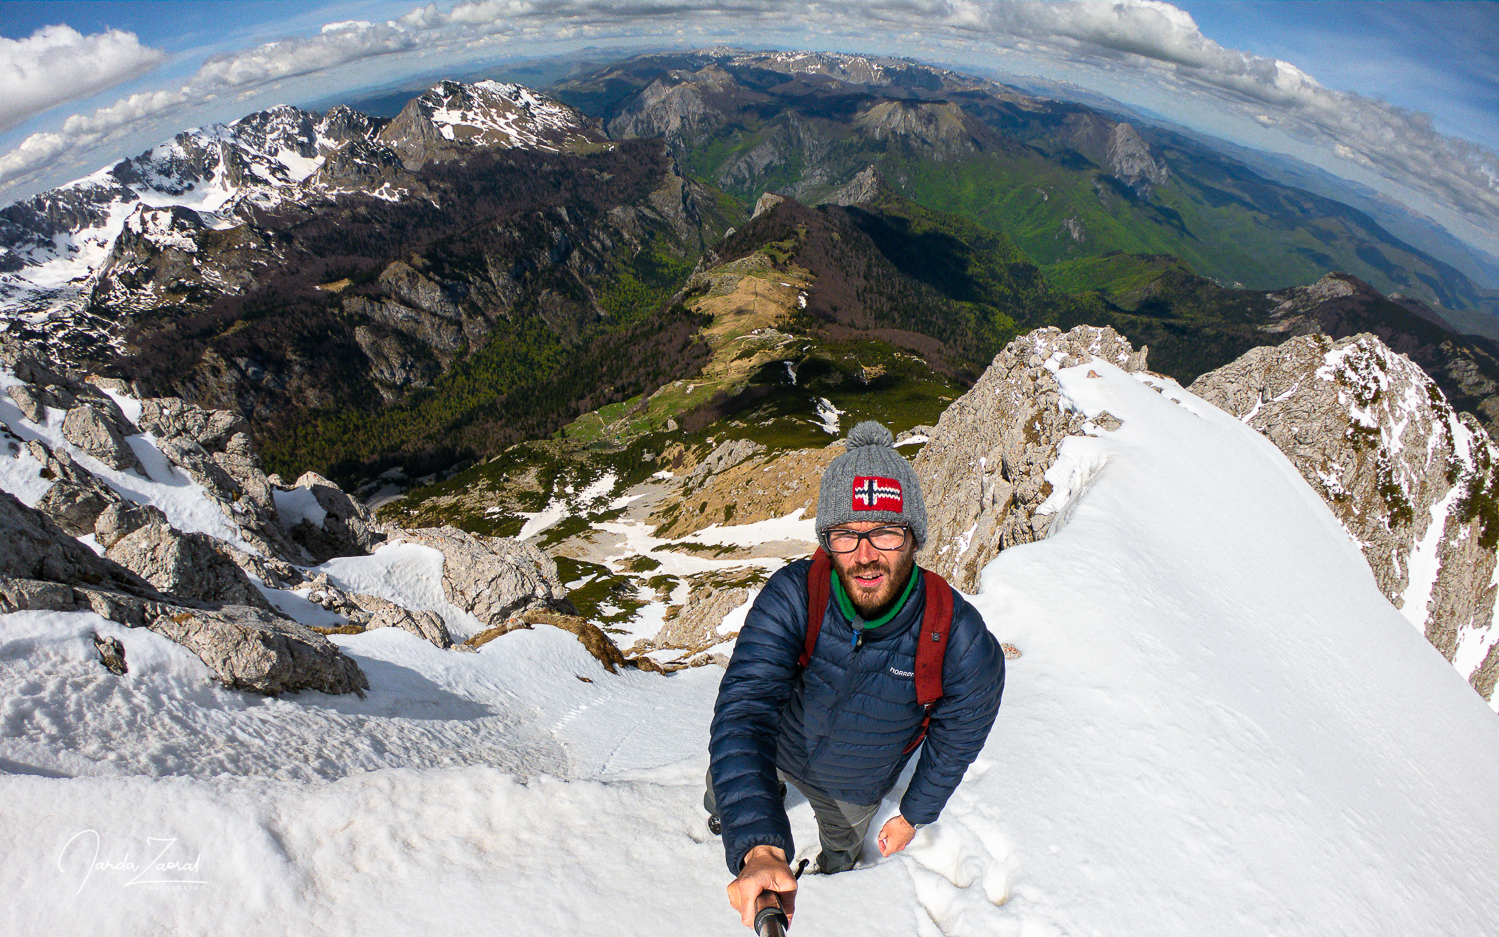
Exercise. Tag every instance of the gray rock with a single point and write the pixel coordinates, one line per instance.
(724, 457)
(37, 548)
(349, 529)
(18, 595)
(77, 497)
(248, 648)
(1371, 433)
(493, 577)
(166, 417)
(190, 565)
(111, 654)
(427, 625)
(123, 517)
(983, 471)
(253, 649)
(30, 400)
(94, 430)
(230, 476)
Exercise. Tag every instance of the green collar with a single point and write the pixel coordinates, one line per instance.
(846, 605)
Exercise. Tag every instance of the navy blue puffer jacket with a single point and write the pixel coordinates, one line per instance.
(843, 724)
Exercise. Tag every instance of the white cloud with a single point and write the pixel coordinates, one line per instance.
(57, 64)
(337, 44)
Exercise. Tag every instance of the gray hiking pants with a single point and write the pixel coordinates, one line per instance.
(840, 825)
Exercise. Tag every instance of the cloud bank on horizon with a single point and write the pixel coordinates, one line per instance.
(1115, 43)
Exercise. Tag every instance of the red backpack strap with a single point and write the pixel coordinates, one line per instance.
(819, 586)
(931, 648)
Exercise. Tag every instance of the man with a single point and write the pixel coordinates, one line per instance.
(841, 729)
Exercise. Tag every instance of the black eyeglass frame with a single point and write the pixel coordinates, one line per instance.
(827, 538)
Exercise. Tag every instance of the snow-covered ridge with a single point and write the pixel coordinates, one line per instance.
(493, 113)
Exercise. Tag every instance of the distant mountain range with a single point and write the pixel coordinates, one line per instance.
(492, 261)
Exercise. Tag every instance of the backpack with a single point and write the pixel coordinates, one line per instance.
(936, 622)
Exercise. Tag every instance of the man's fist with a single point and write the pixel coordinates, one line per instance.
(764, 879)
(895, 835)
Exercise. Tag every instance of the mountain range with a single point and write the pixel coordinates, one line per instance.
(492, 262)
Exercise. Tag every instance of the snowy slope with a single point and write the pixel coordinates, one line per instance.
(1218, 727)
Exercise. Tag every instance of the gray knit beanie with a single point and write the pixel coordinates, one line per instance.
(871, 482)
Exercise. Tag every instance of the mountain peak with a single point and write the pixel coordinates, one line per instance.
(453, 115)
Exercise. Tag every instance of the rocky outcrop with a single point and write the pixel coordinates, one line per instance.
(248, 648)
(1412, 481)
(213, 448)
(748, 485)
(124, 517)
(190, 565)
(493, 578)
(370, 612)
(76, 497)
(862, 189)
(347, 528)
(101, 433)
(983, 471)
(252, 649)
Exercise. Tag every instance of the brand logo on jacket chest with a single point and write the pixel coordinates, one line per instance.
(902, 673)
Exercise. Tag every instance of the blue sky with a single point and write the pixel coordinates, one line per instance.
(1400, 96)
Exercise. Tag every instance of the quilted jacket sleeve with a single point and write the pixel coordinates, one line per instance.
(746, 719)
(973, 678)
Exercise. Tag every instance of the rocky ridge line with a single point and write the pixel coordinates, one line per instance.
(1411, 479)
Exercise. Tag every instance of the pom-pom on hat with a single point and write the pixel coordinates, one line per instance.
(871, 482)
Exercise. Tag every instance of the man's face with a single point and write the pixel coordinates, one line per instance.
(874, 578)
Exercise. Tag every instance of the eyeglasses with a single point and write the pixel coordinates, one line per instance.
(841, 540)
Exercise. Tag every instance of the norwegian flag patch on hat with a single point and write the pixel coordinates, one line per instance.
(876, 493)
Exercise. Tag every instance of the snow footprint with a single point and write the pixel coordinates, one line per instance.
(967, 856)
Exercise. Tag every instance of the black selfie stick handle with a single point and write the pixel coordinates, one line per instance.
(771, 922)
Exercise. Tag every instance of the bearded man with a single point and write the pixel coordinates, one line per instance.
(830, 702)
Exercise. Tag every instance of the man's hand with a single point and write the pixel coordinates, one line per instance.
(764, 878)
(895, 835)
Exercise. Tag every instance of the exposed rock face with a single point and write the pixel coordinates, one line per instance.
(213, 448)
(190, 565)
(371, 612)
(76, 497)
(494, 577)
(1411, 480)
(982, 473)
(123, 517)
(102, 435)
(749, 485)
(865, 187)
(252, 649)
(348, 527)
(1130, 160)
(43, 567)
(694, 627)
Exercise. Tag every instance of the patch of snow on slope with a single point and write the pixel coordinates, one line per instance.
(298, 505)
(1424, 562)
(184, 501)
(790, 527)
(408, 574)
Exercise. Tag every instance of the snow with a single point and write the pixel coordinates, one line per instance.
(827, 416)
(790, 527)
(408, 574)
(1424, 562)
(1218, 727)
(184, 501)
(298, 505)
(569, 503)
